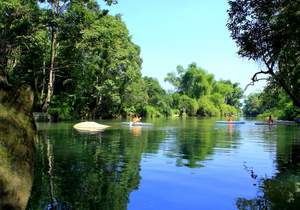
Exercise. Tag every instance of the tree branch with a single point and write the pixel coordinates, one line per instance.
(252, 83)
(255, 79)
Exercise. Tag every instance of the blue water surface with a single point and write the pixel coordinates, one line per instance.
(173, 165)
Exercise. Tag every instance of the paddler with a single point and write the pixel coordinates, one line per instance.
(230, 117)
(136, 119)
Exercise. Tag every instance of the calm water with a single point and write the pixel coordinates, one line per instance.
(176, 164)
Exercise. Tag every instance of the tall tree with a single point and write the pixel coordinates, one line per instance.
(110, 69)
(57, 15)
(53, 29)
(193, 81)
(197, 91)
(267, 31)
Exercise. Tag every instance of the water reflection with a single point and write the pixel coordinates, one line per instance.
(281, 191)
(136, 130)
(198, 140)
(89, 171)
(153, 166)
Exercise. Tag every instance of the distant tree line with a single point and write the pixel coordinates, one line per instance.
(198, 93)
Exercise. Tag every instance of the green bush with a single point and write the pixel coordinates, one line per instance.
(175, 112)
(151, 112)
(289, 112)
(217, 99)
(226, 110)
(188, 105)
(207, 107)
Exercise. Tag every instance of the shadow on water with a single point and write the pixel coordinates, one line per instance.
(281, 191)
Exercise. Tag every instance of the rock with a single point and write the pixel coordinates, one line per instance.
(17, 133)
(89, 126)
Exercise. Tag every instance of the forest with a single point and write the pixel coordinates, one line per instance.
(80, 62)
(73, 60)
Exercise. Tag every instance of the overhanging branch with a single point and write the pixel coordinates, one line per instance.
(255, 79)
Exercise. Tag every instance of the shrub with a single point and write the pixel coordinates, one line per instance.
(207, 108)
(188, 105)
(227, 109)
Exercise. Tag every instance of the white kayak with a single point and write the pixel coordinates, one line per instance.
(136, 124)
(230, 122)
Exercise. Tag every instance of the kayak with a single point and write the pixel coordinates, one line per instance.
(136, 124)
(277, 122)
(230, 122)
(264, 123)
(285, 122)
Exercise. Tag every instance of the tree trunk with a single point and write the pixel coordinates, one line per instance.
(43, 82)
(3, 65)
(51, 72)
(52, 60)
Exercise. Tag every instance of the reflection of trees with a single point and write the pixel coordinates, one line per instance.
(89, 171)
(197, 141)
(282, 191)
(279, 192)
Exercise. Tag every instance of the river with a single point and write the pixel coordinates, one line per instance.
(173, 165)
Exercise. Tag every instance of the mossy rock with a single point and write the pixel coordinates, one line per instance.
(17, 132)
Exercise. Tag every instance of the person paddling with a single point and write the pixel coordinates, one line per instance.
(136, 119)
(230, 117)
(270, 120)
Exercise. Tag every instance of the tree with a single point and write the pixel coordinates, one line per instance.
(253, 105)
(231, 91)
(267, 31)
(271, 101)
(188, 105)
(157, 98)
(53, 25)
(110, 69)
(174, 78)
(58, 16)
(17, 23)
(193, 81)
(195, 84)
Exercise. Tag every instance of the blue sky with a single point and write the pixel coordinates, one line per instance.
(177, 32)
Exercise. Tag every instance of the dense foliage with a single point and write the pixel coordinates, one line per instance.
(267, 31)
(271, 101)
(198, 93)
(80, 62)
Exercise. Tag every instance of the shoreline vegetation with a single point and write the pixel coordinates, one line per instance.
(73, 60)
(81, 63)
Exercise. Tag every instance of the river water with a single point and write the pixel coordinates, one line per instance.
(177, 164)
